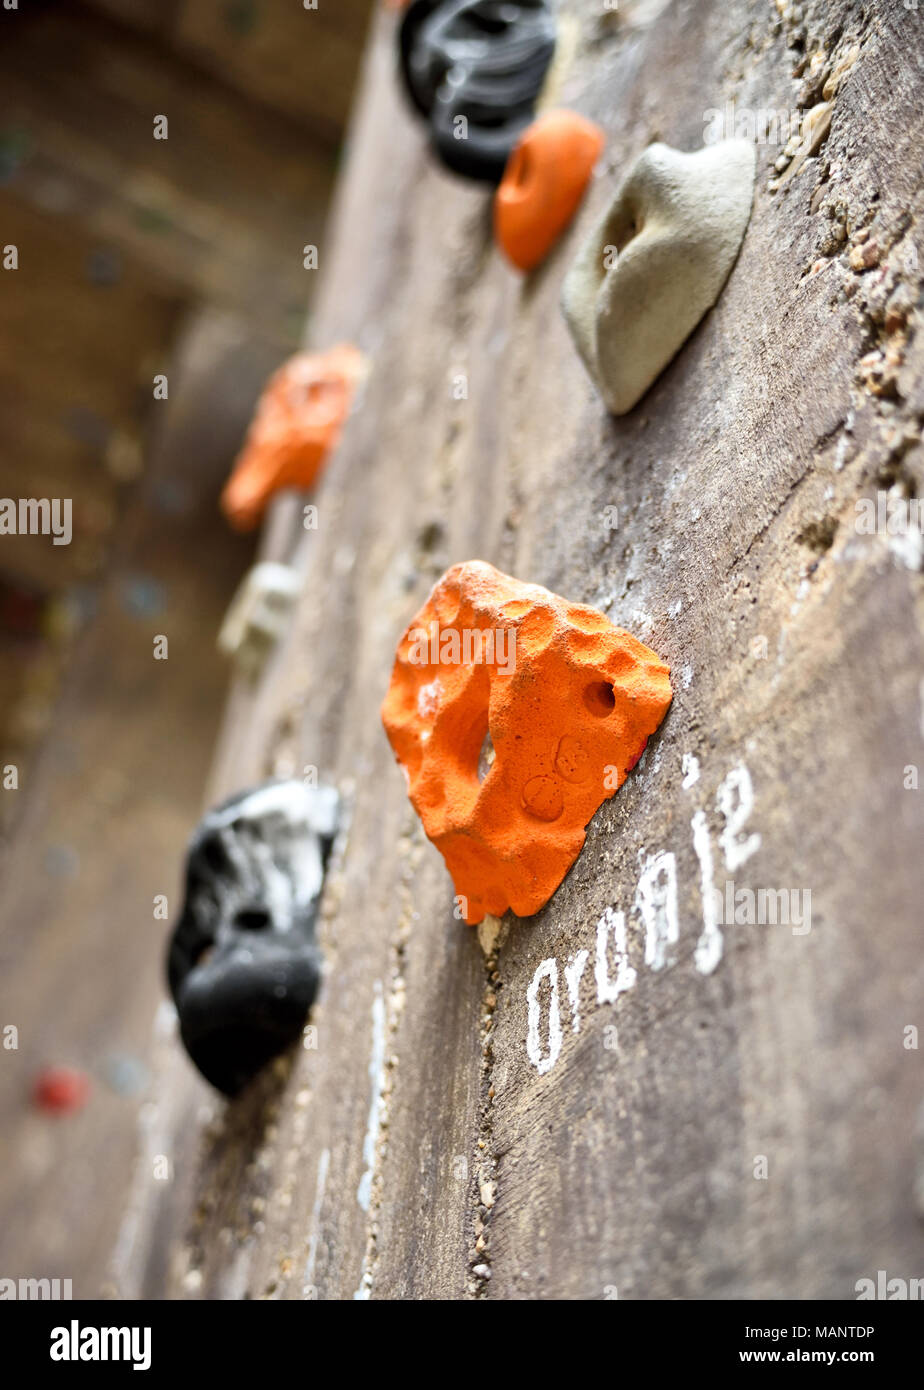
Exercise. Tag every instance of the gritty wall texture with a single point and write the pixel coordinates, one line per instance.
(741, 1121)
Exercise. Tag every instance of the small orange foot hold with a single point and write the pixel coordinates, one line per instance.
(515, 714)
(297, 424)
(543, 185)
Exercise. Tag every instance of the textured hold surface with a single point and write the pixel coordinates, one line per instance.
(297, 423)
(481, 62)
(543, 185)
(655, 262)
(258, 614)
(568, 702)
(243, 965)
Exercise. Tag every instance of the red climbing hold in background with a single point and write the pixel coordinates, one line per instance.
(61, 1090)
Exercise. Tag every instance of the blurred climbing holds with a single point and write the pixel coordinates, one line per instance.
(61, 1090)
(125, 1074)
(243, 964)
(259, 614)
(543, 185)
(514, 715)
(655, 262)
(297, 424)
(474, 69)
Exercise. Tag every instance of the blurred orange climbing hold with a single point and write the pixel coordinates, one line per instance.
(297, 424)
(543, 185)
(514, 715)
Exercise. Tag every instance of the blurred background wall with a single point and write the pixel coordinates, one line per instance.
(137, 257)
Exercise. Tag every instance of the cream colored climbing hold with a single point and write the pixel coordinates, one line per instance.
(655, 262)
(259, 614)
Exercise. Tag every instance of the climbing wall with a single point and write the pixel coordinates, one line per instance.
(629, 1094)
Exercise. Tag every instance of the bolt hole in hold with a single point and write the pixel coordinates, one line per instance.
(252, 919)
(485, 757)
(478, 22)
(599, 699)
(519, 174)
(627, 230)
(494, 120)
(215, 856)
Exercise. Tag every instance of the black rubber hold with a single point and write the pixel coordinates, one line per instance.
(243, 964)
(481, 60)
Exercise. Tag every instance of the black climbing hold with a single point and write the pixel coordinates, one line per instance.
(474, 69)
(243, 964)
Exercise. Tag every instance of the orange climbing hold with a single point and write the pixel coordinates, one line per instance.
(543, 185)
(297, 424)
(515, 714)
